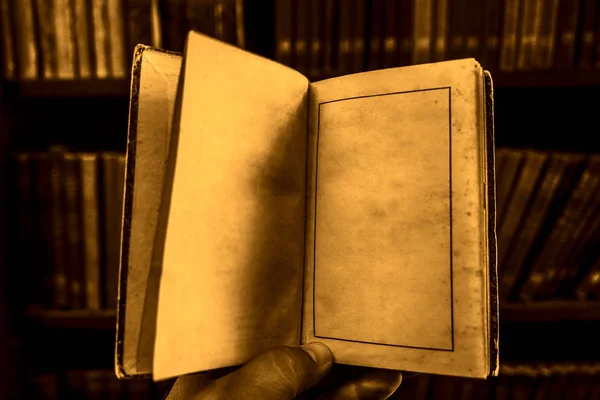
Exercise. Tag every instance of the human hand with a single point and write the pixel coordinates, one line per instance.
(286, 372)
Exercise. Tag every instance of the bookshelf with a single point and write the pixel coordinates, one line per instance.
(540, 106)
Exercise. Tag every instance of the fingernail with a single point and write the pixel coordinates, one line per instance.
(320, 353)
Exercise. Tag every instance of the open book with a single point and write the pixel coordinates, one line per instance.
(263, 210)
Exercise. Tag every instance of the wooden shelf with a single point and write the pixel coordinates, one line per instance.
(120, 87)
(551, 311)
(72, 319)
(71, 88)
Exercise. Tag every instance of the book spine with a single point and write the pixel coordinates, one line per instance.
(156, 29)
(26, 49)
(45, 19)
(590, 284)
(101, 44)
(176, 24)
(26, 229)
(544, 195)
(229, 20)
(543, 270)
(283, 33)
(473, 16)
(404, 32)
(8, 50)
(530, 24)
(580, 258)
(508, 49)
(422, 32)
(534, 163)
(590, 20)
(82, 38)
(329, 42)
(43, 202)
(543, 37)
(113, 175)
(491, 34)
(116, 27)
(239, 24)
(218, 16)
(441, 30)
(390, 40)
(573, 236)
(73, 232)
(507, 178)
(59, 272)
(457, 29)
(359, 36)
(565, 38)
(376, 37)
(344, 55)
(316, 37)
(139, 24)
(91, 232)
(65, 42)
(301, 36)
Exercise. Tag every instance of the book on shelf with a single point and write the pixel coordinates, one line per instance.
(85, 39)
(69, 217)
(223, 212)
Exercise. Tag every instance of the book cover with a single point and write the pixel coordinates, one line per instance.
(249, 229)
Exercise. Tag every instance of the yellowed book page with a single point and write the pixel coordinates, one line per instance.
(234, 247)
(395, 269)
(159, 75)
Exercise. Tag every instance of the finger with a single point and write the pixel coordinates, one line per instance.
(279, 374)
(375, 385)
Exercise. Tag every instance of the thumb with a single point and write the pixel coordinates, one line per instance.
(279, 374)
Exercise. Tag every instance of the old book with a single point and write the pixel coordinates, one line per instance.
(568, 12)
(516, 210)
(316, 37)
(7, 34)
(83, 33)
(544, 52)
(58, 231)
(491, 32)
(45, 17)
(422, 32)
(72, 225)
(101, 43)
(440, 30)
(312, 212)
(508, 48)
(390, 56)
(405, 12)
(112, 182)
(544, 268)
(116, 33)
(535, 216)
(529, 38)
(301, 33)
(375, 34)
(283, 31)
(90, 215)
(588, 30)
(359, 35)
(65, 41)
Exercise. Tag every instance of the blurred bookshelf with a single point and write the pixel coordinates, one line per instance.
(64, 99)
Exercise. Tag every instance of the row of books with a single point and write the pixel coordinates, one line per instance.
(81, 39)
(338, 37)
(536, 381)
(68, 208)
(548, 207)
(92, 384)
